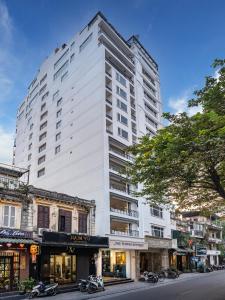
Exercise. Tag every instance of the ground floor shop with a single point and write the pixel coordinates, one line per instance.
(66, 258)
(14, 257)
(213, 257)
(182, 259)
(157, 256)
(121, 259)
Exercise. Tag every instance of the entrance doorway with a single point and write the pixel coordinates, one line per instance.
(63, 268)
(9, 271)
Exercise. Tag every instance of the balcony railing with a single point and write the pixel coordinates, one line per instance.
(109, 130)
(109, 101)
(131, 213)
(11, 184)
(125, 233)
(108, 116)
(197, 233)
(122, 189)
(108, 87)
(122, 154)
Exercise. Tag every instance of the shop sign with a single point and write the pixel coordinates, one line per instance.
(14, 233)
(201, 250)
(34, 249)
(127, 245)
(74, 239)
(159, 243)
(213, 252)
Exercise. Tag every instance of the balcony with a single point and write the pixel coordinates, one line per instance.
(214, 240)
(120, 153)
(120, 170)
(124, 190)
(134, 233)
(11, 184)
(130, 213)
(197, 233)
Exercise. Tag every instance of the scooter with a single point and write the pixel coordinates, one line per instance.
(83, 285)
(43, 290)
(95, 284)
(149, 277)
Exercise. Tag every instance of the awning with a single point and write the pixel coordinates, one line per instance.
(17, 241)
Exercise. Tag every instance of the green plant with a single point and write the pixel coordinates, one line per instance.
(26, 285)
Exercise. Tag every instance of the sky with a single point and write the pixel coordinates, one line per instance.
(183, 36)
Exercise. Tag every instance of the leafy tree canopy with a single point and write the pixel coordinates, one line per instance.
(185, 162)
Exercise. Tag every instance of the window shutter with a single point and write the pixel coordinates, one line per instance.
(82, 222)
(68, 220)
(43, 216)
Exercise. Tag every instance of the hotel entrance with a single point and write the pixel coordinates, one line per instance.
(114, 264)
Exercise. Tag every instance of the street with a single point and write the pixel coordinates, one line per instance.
(208, 286)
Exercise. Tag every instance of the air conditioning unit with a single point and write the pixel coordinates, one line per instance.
(41, 230)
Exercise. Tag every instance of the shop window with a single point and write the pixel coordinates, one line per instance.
(9, 270)
(9, 216)
(63, 268)
(43, 216)
(65, 220)
(82, 223)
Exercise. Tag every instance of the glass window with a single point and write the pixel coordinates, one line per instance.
(59, 112)
(121, 92)
(64, 76)
(41, 172)
(121, 105)
(121, 79)
(44, 115)
(42, 136)
(43, 125)
(58, 136)
(86, 42)
(156, 211)
(55, 95)
(42, 147)
(9, 216)
(41, 159)
(122, 119)
(61, 70)
(123, 133)
(63, 268)
(63, 56)
(157, 231)
(57, 149)
(59, 102)
(58, 124)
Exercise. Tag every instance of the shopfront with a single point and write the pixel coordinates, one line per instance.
(14, 257)
(157, 256)
(66, 258)
(120, 261)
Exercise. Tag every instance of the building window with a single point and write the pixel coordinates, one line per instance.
(41, 172)
(86, 42)
(42, 136)
(72, 57)
(156, 211)
(43, 125)
(65, 220)
(61, 70)
(121, 105)
(123, 133)
(121, 79)
(44, 96)
(9, 216)
(41, 159)
(30, 146)
(43, 89)
(43, 217)
(58, 124)
(121, 92)
(44, 115)
(64, 76)
(43, 79)
(30, 136)
(57, 149)
(72, 45)
(29, 156)
(122, 119)
(61, 58)
(58, 136)
(59, 112)
(31, 126)
(55, 95)
(59, 102)
(157, 231)
(42, 147)
(150, 121)
(43, 106)
(82, 222)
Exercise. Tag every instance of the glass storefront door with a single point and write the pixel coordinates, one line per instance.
(63, 268)
(114, 264)
(9, 271)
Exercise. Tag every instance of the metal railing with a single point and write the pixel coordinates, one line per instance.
(121, 153)
(125, 232)
(131, 212)
(122, 189)
(11, 184)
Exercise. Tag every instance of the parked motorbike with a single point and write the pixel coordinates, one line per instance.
(172, 273)
(149, 277)
(83, 285)
(43, 290)
(95, 284)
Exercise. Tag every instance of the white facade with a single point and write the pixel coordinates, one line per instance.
(91, 99)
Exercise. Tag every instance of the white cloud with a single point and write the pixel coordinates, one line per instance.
(6, 145)
(5, 23)
(180, 104)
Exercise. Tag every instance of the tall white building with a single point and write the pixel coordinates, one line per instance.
(91, 99)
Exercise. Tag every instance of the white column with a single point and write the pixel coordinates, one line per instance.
(99, 263)
(128, 264)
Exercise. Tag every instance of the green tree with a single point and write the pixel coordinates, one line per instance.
(185, 162)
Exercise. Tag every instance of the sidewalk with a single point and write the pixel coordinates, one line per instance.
(123, 288)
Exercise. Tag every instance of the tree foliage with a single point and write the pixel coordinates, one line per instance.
(185, 162)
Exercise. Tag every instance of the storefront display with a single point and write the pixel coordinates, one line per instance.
(66, 258)
(114, 264)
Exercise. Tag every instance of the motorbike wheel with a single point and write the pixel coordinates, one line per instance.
(32, 295)
(91, 289)
(141, 279)
(82, 289)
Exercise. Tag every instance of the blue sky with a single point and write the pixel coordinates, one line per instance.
(184, 36)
